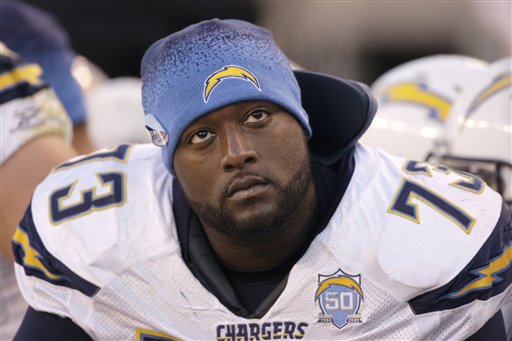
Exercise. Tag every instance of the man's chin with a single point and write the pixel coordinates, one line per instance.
(254, 226)
(263, 216)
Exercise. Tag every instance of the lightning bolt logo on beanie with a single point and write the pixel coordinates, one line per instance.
(229, 71)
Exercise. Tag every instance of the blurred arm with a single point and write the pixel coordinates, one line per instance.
(19, 176)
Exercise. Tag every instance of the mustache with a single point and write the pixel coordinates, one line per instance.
(242, 174)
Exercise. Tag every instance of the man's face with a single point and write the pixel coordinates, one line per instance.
(244, 168)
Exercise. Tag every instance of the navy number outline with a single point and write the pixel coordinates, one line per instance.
(403, 206)
(89, 200)
(471, 183)
(408, 190)
(119, 154)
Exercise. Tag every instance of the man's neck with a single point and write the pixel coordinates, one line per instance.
(263, 255)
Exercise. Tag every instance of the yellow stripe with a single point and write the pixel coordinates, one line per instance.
(31, 258)
(28, 73)
(139, 333)
(495, 87)
(411, 92)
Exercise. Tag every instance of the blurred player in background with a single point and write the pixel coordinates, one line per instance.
(41, 118)
(38, 37)
(35, 136)
(415, 100)
(78, 84)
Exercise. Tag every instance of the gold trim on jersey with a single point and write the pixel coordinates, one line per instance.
(488, 274)
(416, 219)
(31, 256)
(96, 156)
(30, 73)
(141, 333)
(111, 191)
(423, 168)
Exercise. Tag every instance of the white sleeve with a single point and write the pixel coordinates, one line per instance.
(28, 106)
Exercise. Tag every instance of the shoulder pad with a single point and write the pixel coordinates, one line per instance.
(429, 221)
(114, 206)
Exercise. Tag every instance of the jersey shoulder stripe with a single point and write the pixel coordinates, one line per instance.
(28, 105)
(114, 206)
(19, 79)
(488, 274)
(30, 252)
(417, 215)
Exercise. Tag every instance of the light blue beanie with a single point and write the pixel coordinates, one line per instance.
(207, 66)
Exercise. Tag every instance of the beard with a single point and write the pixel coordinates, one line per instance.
(259, 226)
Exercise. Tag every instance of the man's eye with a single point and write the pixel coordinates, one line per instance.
(256, 116)
(200, 136)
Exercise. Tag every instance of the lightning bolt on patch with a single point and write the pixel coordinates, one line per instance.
(343, 281)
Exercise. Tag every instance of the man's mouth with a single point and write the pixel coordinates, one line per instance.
(246, 186)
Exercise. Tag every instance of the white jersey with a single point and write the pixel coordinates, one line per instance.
(100, 246)
(29, 107)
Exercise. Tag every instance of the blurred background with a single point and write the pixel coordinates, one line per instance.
(353, 39)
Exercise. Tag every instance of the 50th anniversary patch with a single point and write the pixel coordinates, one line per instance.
(340, 298)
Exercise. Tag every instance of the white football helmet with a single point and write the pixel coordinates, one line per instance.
(414, 101)
(478, 136)
(115, 114)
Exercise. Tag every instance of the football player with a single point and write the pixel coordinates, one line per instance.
(258, 216)
(36, 132)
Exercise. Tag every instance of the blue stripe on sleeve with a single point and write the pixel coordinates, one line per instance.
(30, 252)
(488, 274)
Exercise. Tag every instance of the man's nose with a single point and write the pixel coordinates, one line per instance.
(238, 151)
